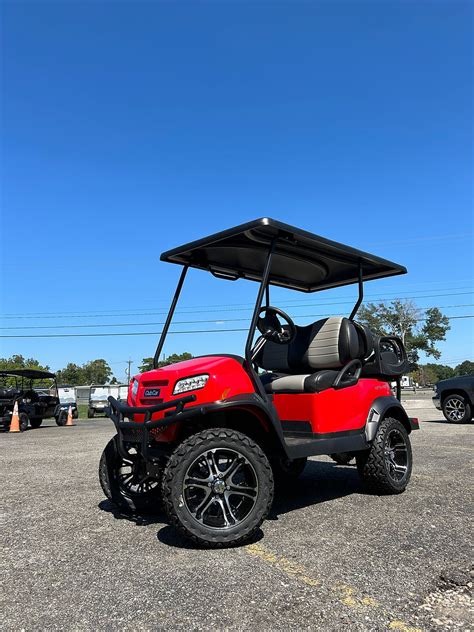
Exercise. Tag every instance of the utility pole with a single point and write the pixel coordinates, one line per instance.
(129, 370)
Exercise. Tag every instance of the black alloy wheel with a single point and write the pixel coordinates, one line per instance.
(456, 409)
(126, 480)
(386, 467)
(218, 487)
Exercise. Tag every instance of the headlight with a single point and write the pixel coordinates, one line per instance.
(135, 388)
(190, 384)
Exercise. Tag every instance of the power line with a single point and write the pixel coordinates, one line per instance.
(187, 322)
(157, 333)
(241, 309)
(192, 307)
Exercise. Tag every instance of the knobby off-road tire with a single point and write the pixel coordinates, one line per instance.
(218, 488)
(125, 482)
(386, 467)
(285, 472)
(456, 409)
(36, 423)
(342, 458)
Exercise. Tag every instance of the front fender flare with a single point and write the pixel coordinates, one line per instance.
(250, 402)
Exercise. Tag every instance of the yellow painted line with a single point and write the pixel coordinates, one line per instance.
(348, 596)
(399, 625)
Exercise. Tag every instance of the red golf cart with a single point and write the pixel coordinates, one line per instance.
(209, 436)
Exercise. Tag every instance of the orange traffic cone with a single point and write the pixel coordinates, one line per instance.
(15, 421)
(69, 417)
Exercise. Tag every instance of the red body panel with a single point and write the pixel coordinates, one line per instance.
(328, 411)
(227, 378)
(332, 410)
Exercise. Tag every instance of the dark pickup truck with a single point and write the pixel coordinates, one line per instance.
(455, 397)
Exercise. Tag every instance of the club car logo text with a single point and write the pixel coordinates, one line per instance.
(151, 392)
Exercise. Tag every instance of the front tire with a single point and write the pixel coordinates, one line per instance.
(36, 423)
(90, 413)
(386, 467)
(456, 409)
(218, 488)
(125, 481)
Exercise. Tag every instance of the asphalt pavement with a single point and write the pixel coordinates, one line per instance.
(330, 557)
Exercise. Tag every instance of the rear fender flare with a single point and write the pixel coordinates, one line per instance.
(382, 407)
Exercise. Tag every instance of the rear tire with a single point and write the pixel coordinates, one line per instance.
(456, 409)
(386, 467)
(218, 488)
(61, 418)
(24, 421)
(125, 481)
(342, 458)
(36, 423)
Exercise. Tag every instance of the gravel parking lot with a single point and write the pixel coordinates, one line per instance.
(331, 557)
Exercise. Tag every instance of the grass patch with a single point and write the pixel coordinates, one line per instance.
(82, 410)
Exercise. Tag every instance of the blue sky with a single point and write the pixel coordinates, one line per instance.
(129, 128)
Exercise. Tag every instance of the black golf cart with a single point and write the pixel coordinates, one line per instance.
(36, 393)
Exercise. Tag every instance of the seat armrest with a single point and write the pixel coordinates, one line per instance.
(345, 378)
(320, 381)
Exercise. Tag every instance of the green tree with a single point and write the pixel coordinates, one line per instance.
(431, 373)
(147, 363)
(419, 330)
(19, 362)
(72, 374)
(465, 368)
(93, 372)
(441, 371)
(97, 372)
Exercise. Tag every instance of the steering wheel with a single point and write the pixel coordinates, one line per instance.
(271, 328)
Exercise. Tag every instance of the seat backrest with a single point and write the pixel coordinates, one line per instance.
(326, 344)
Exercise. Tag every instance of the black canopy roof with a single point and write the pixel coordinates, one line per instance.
(302, 261)
(30, 374)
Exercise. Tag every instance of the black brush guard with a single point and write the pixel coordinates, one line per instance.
(138, 432)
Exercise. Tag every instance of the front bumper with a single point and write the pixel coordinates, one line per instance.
(436, 399)
(140, 433)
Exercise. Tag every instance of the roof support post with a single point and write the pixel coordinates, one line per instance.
(248, 346)
(169, 317)
(361, 293)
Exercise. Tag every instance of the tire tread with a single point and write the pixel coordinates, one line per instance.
(176, 459)
(371, 465)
